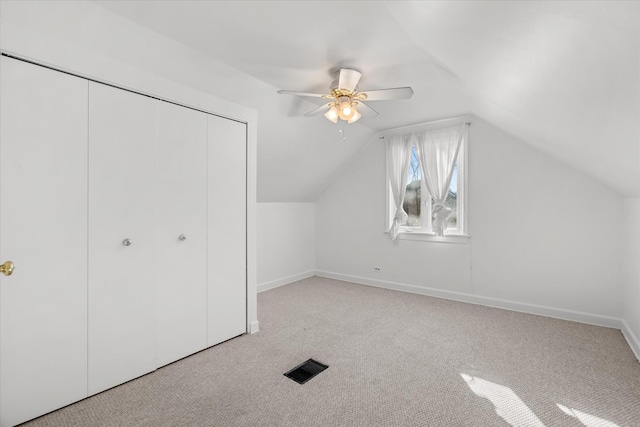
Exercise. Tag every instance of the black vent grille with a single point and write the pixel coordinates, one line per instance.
(305, 371)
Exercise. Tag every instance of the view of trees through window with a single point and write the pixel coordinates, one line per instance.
(412, 200)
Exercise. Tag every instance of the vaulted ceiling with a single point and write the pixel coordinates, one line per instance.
(562, 76)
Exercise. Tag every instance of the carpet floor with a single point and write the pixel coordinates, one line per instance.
(395, 359)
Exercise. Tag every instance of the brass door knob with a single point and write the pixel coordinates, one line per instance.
(7, 268)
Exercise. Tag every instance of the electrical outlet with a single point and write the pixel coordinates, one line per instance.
(377, 269)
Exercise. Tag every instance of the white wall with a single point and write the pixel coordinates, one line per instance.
(545, 238)
(286, 243)
(632, 274)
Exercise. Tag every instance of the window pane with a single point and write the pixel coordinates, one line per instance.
(412, 197)
(452, 200)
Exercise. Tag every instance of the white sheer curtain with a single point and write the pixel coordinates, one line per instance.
(437, 152)
(398, 158)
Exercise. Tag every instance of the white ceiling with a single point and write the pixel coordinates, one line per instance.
(562, 76)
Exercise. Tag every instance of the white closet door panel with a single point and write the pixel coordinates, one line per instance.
(43, 230)
(122, 173)
(181, 268)
(227, 225)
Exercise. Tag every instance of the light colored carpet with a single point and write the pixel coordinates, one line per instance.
(395, 359)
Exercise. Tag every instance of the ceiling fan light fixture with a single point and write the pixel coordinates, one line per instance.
(345, 107)
(333, 114)
(344, 97)
(356, 116)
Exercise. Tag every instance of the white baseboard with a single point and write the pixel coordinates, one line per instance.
(254, 327)
(284, 281)
(558, 313)
(631, 338)
(396, 286)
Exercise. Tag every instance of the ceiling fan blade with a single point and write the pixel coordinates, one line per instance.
(365, 110)
(319, 110)
(348, 79)
(313, 95)
(393, 93)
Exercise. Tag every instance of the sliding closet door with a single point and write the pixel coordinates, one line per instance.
(227, 229)
(122, 173)
(43, 230)
(181, 270)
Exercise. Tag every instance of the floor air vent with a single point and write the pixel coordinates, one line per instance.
(304, 372)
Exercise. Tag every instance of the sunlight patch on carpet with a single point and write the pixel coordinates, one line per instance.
(587, 419)
(507, 404)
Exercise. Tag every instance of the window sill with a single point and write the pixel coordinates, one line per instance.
(431, 237)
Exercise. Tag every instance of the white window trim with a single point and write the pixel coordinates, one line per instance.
(410, 233)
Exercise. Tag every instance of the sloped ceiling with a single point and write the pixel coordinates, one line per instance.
(298, 46)
(562, 76)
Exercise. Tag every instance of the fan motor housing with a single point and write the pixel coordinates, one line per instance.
(337, 93)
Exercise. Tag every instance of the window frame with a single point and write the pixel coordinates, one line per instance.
(424, 233)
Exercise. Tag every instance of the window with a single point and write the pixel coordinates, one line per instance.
(415, 194)
(418, 202)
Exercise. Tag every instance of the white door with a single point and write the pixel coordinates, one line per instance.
(43, 230)
(227, 229)
(181, 268)
(122, 173)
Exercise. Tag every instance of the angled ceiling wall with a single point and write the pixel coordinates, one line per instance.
(562, 75)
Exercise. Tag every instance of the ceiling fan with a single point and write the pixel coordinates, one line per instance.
(346, 102)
